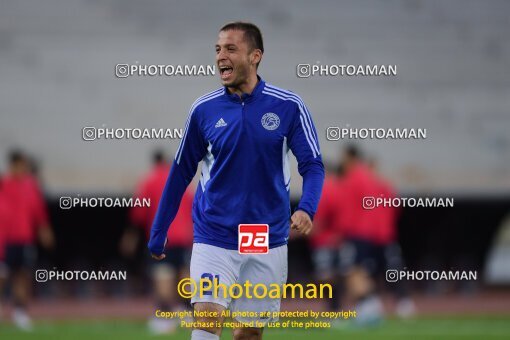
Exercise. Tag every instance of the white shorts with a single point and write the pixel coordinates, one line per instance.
(230, 267)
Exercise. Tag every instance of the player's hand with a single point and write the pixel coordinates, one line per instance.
(161, 256)
(301, 222)
(46, 237)
(128, 244)
(158, 257)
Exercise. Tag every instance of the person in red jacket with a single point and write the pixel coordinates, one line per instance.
(3, 227)
(388, 253)
(28, 222)
(178, 248)
(370, 246)
(326, 237)
(359, 254)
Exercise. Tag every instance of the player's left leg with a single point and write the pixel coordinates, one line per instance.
(165, 275)
(21, 295)
(211, 263)
(393, 260)
(259, 269)
(360, 283)
(164, 278)
(324, 262)
(20, 260)
(3, 278)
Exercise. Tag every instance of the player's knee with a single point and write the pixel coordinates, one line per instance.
(204, 312)
(248, 333)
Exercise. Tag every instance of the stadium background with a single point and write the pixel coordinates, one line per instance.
(57, 64)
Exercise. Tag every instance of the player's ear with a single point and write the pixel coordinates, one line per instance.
(255, 56)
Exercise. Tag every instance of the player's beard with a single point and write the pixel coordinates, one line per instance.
(239, 77)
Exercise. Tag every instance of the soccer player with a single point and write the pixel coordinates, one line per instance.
(359, 254)
(28, 221)
(242, 132)
(165, 273)
(370, 236)
(4, 215)
(385, 221)
(326, 238)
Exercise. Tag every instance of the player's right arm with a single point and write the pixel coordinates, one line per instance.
(191, 150)
(305, 146)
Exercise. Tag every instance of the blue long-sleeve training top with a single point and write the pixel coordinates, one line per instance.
(244, 144)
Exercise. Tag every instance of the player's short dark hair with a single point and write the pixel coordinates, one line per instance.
(352, 151)
(252, 34)
(16, 156)
(158, 156)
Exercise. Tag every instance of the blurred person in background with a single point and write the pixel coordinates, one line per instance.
(326, 236)
(3, 226)
(388, 250)
(358, 254)
(166, 273)
(370, 233)
(27, 222)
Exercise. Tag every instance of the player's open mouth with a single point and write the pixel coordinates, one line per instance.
(226, 71)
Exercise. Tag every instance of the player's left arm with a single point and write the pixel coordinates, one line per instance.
(304, 144)
(191, 150)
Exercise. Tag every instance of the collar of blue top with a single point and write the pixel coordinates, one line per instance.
(247, 97)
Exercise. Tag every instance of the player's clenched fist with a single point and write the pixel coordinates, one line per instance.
(301, 222)
(160, 256)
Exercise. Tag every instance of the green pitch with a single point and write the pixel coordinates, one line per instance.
(482, 327)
